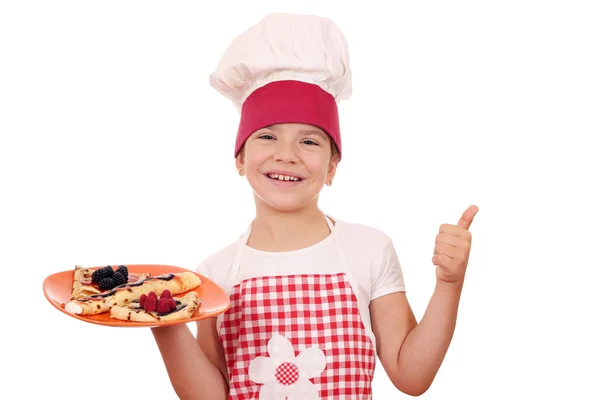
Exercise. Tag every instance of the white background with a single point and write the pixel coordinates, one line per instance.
(114, 149)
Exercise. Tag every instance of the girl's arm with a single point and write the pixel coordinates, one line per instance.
(412, 354)
(196, 367)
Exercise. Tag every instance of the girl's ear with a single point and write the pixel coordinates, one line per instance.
(239, 162)
(333, 163)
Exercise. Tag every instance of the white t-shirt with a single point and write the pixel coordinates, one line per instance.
(369, 253)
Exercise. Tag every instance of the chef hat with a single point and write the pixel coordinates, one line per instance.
(287, 68)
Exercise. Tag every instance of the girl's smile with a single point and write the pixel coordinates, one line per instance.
(284, 180)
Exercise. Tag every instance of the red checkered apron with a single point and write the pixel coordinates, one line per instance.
(297, 336)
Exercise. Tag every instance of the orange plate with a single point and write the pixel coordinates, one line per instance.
(58, 288)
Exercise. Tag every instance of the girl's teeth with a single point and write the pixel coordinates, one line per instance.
(283, 177)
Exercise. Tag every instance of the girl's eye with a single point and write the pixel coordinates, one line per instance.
(308, 141)
(265, 137)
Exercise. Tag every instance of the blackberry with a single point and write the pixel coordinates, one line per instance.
(99, 274)
(123, 270)
(119, 279)
(106, 284)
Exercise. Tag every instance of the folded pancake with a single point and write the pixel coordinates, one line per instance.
(125, 294)
(82, 278)
(186, 307)
(82, 282)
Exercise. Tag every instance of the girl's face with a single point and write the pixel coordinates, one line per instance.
(287, 165)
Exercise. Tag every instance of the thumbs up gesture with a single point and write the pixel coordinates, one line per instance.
(452, 248)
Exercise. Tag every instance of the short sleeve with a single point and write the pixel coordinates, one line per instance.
(216, 269)
(208, 270)
(389, 278)
(217, 266)
(204, 269)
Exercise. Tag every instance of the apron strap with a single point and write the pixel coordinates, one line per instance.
(235, 267)
(346, 268)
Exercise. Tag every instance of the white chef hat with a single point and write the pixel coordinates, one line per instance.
(286, 68)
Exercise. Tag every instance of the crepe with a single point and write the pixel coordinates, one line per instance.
(125, 294)
(82, 283)
(186, 306)
(83, 286)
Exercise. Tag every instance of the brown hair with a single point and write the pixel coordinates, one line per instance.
(335, 152)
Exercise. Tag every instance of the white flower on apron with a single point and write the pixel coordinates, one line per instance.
(285, 375)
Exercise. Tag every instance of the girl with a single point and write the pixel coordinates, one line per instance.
(314, 299)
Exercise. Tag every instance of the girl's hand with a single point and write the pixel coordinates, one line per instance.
(452, 248)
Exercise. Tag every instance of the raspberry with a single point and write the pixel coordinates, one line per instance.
(153, 294)
(172, 304)
(106, 284)
(163, 306)
(150, 303)
(142, 300)
(166, 294)
(119, 278)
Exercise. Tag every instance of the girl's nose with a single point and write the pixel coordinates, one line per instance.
(286, 152)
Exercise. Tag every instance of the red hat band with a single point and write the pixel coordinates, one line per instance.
(289, 101)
